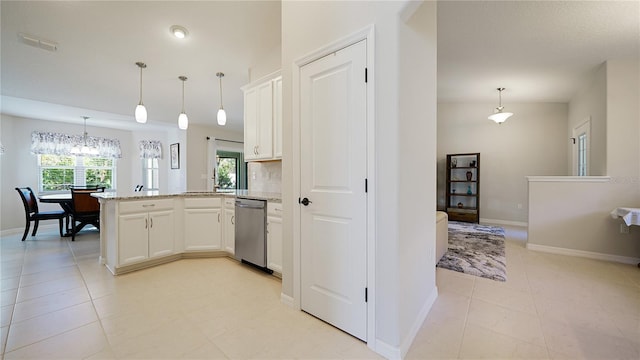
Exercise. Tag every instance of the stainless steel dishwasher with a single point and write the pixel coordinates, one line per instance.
(251, 232)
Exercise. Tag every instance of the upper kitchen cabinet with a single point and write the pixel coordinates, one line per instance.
(263, 118)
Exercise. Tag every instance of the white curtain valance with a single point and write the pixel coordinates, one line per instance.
(150, 149)
(61, 144)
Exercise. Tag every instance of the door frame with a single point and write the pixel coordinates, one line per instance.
(574, 156)
(367, 34)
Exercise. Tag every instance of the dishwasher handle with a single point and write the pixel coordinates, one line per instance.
(249, 206)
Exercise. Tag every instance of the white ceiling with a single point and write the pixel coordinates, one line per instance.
(537, 50)
(93, 72)
(540, 51)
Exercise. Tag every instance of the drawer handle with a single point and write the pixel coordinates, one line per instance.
(277, 209)
(148, 205)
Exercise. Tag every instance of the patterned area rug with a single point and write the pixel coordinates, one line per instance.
(476, 250)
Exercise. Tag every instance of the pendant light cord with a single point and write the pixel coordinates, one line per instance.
(221, 107)
(182, 95)
(140, 84)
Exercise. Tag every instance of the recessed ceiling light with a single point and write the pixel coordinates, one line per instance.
(179, 31)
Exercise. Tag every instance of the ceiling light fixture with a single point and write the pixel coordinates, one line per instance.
(141, 111)
(183, 120)
(84, 149)
(222, 115)
(179, 31)
(500, 116)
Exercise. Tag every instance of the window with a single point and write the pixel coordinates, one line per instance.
(232, 170)
(150, 174)
(59, 172)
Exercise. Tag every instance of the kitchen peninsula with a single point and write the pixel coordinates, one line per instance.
(144, 229)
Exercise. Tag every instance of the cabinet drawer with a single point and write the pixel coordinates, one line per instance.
(229, 202)
(203, 203)
(128, 207)
(458, 216)
(274, 209)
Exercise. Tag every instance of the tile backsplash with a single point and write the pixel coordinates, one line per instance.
(265, 176)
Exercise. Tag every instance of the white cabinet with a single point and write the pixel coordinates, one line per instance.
(203, 224)
(145, 230)
(277, 117)
(263, 118)
(274, 236)
(229, 227)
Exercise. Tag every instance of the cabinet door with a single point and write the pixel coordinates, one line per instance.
(161, 227)
(229, 230)
(265, 121)
(274, 243)
(277, 118)
(202, 229)
(133, 244)
(250, 123)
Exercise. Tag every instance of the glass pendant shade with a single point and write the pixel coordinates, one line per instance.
(222, 117)
(500, 117)
(183, 121)
(141, 114)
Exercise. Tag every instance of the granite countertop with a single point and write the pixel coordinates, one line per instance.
(142, 195)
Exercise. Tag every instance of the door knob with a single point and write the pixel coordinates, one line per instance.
(305, 201)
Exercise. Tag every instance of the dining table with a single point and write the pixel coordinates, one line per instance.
(65, 201)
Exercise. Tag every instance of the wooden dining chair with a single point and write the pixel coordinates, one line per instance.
(33, 214)
(85, 209)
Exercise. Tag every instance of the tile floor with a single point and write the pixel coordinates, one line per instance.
(57, 302)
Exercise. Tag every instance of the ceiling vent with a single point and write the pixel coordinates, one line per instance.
(38, 42)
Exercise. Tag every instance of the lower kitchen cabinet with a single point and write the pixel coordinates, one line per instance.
(144, 235)
(274, 237)
(203, 224)
(229, 228)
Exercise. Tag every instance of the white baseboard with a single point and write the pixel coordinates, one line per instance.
(286, 299)
(504, 222)
(386, 350)
(585, 254)
(415, 328)
(393, 352)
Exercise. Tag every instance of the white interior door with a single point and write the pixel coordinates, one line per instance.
(333, 166)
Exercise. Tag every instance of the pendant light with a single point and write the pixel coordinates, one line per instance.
(84, 149)
(183, 120)
(222, 115)
(141, 111)
(500, 116)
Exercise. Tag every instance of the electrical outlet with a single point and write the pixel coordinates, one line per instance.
(624, 229)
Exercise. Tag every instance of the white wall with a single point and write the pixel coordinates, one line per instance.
(405, 277)
(591, 103)
(20, 167)
(532, 142)
(574, 216)
(417, 118)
